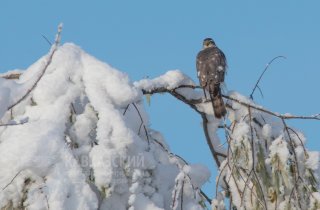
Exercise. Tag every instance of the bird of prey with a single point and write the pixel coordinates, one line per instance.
(211, 68)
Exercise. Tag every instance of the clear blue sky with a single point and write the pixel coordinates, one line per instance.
(147, 38)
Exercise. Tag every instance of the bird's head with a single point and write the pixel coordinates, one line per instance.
(208, 42)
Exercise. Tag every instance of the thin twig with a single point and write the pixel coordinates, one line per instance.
(215, 153)
(296, 175)
(218, 180)
(73, 109)
(186, 163)
(265, 69)
(12, 180)
(245, 187)
(260, 91)
(142, 123)
(291, 143)
(233, 166)
(45, 195)
(304, 149)
(125, 110)
(45, 38)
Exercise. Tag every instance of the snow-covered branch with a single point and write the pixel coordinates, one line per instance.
(11, 75)
(183, 88)
(88, 144)
(45, 67)
(87, 132)
(196, 100)
(282, 116)
(266, 165)
(13, 123)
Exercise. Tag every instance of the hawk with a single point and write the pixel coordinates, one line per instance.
(211, 68)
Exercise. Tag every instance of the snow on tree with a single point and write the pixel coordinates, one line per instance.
(265, 165)
(75, 135)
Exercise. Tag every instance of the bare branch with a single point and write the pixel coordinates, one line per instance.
(126, 109)
(141, 120)
(259, 91)
(142, 123)
(265, 69)
(205, 196)
(47, 40)
(301, 142)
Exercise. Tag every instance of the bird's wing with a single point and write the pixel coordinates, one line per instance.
(211, 66)
(222, 65)
(201, 68)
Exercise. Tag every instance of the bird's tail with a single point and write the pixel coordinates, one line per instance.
(217, 103)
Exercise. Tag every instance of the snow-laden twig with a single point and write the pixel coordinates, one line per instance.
(301, 142)
(15, 123)
(238, 170)
(178, 189)
(296, 165)
(12, 180)
(12, 76)
(281, 116)
(172, 155)
(49, 60)
(181, 196)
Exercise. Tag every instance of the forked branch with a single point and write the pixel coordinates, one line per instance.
(264, 71)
